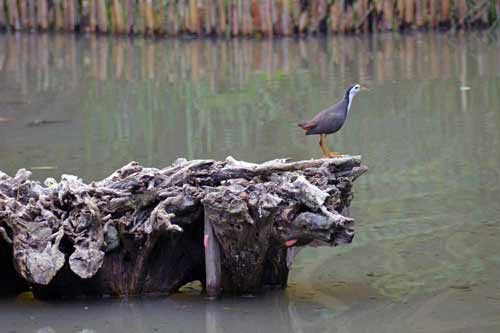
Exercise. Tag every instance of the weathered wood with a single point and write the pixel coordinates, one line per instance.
(212, 261)
(145, 230)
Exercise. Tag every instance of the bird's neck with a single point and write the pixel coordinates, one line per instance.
(349, 101)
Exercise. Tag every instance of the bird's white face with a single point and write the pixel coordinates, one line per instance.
(354, 90)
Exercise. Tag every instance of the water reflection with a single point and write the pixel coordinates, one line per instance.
(273, 312)
(181, 313)
(111, 100)
(426, 246)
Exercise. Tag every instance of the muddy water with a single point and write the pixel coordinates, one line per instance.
(426, 256)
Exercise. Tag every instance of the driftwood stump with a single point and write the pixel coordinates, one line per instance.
(231, 225)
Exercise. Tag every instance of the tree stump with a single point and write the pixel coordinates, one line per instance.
(230, 224)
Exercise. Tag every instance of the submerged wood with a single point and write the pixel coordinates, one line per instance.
(228, 224)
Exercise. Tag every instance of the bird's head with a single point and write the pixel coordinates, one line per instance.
(352, 91)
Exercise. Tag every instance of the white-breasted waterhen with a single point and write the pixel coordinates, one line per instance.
(330, 120)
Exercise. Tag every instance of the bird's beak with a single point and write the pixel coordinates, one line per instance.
(364, 89)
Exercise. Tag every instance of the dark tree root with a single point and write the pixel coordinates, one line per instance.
(143, 231)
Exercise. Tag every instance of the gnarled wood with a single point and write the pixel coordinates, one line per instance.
(228, 224)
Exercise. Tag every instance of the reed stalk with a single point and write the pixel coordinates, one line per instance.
(3, 19)
(286, 20)
(445, 11)
(210, 17)
(23, 12)
(221, 10)
(461, 12)
(335, 17)
(400, 6)
(150, 18)
(102, 16)
(432, 13)
(171, 19)
(194, 24)
(256, 20)
(388, 14)
(409, 12)
(130, 11)
(159, 11)
(13, 15)
(59, 15)
(244, 17)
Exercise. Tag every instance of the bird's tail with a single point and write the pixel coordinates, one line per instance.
(306, 126)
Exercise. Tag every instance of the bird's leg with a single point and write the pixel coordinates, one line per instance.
(324, 147)
(322, 144)
(335, 154)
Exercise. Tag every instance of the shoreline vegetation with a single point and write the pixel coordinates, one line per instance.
(245, 18)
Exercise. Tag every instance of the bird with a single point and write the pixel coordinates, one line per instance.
(330, 120)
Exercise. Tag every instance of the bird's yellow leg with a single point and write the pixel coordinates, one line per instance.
(324, 148)
(322, 144)
(335, 154)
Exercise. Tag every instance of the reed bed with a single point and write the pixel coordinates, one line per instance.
(239, 18)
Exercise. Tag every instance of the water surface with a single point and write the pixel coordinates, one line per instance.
(426, 256)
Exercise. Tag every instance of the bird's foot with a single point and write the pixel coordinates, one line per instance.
(335, 154)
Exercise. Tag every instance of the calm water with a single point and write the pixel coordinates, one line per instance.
(426, 256)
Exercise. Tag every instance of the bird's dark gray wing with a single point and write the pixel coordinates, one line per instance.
(330, 122)
(327, 121)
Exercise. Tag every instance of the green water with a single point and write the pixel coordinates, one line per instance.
(426, 255)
